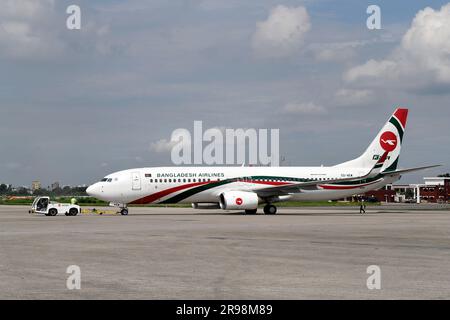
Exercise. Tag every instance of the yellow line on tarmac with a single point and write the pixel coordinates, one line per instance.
(99, 212)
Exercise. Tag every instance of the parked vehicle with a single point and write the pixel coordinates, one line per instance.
(43, 205)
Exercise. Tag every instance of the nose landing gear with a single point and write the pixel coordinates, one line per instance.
(124, 211)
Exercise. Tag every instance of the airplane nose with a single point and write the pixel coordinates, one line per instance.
(92, 190)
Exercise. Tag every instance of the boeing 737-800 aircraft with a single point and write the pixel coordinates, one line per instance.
(243, 188)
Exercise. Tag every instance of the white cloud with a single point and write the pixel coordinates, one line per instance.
(282, 34)
(162, 146)
(422, 58)
(373, 68)
(343, 51)
(25, 29)
(329, 54)
(36, 30)
(308, 108)
(353, 97)
(25, 8)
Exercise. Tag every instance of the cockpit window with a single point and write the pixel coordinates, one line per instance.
(110, 179)
(104, 180)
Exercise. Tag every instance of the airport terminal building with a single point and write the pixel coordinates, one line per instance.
(434, 190)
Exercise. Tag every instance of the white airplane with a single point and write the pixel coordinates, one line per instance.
(244, 188)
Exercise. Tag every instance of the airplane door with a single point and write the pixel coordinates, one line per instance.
(136, 180)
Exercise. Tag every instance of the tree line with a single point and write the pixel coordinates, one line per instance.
(6, 190)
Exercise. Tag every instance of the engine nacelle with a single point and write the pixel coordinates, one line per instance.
(204, 205)
(236, 200)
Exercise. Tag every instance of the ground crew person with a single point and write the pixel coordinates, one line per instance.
(362, 207)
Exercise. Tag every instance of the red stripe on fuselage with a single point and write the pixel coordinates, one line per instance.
(335, 187)
(158, 195)
(383, 157)
(155, 196)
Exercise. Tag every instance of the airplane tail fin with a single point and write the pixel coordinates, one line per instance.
(384, 151)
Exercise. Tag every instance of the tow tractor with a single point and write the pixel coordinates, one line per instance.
(49, 208)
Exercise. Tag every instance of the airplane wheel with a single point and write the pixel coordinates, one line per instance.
(270, 209)
(124, 212)
(73, 212)
(52, 212)
(251, 211)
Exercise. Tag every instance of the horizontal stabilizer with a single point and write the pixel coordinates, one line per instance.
(409, 170)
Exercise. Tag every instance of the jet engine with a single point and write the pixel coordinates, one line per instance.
(197, 205)
(237, 200)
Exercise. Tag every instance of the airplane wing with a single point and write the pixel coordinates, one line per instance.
(313, 185)
(395, 172)
(300, 187)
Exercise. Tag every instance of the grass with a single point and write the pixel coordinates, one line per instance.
(84, 201)
(15, 202)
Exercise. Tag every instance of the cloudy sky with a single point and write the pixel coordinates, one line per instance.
(76, 105)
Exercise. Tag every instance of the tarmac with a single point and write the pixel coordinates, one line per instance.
(182, 253)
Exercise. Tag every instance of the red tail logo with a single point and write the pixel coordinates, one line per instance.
(239, 201)
(388, 141)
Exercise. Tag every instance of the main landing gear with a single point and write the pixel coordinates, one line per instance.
(270, 209)
(124, 211)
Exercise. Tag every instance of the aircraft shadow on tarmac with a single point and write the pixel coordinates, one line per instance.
(259, 214)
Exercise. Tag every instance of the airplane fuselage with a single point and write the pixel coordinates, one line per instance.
(205, 184)
(243, 188)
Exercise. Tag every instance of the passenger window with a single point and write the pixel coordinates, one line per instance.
(184, 180)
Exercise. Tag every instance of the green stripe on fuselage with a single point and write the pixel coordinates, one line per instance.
(279, 178)
(186, 194)
(393, 166)
(356, 182)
